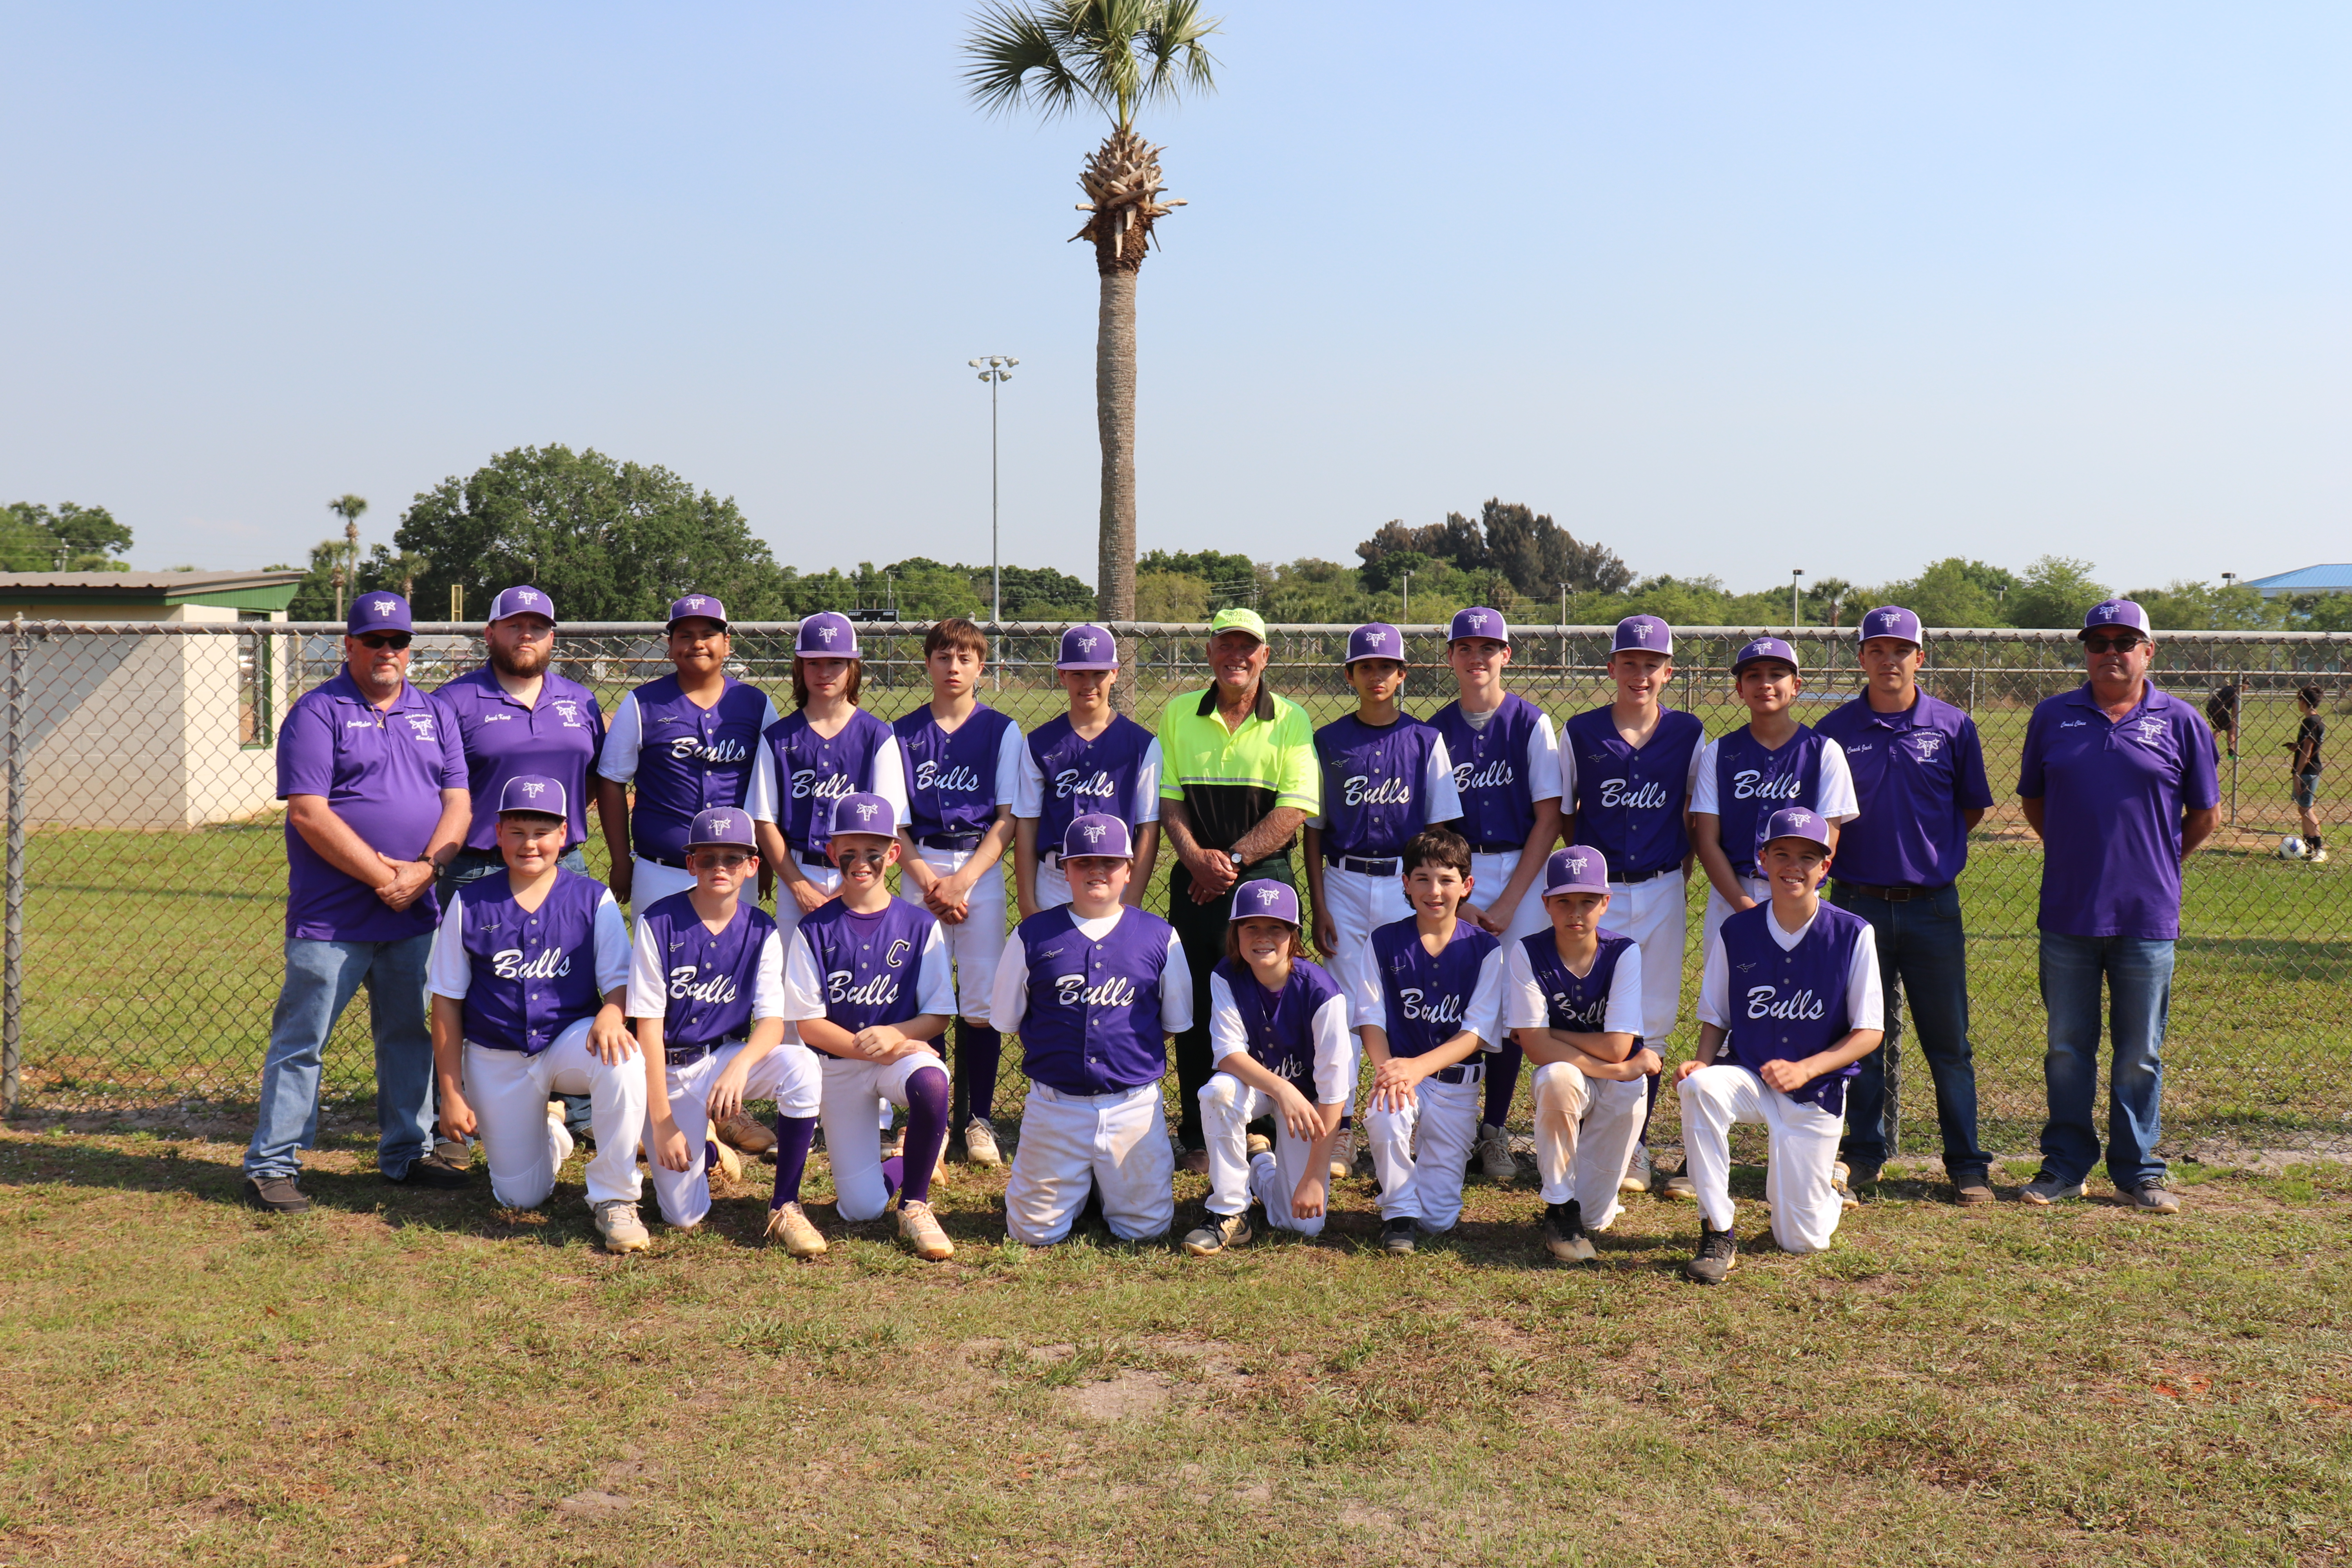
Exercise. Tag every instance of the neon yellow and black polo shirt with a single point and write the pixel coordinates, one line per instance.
(1229, 781)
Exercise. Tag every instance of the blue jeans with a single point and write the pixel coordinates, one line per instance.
(321, 978)
(2138, 975)
(1922, 963)
(467, 866)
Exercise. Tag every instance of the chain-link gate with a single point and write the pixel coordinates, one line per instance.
(146, 871)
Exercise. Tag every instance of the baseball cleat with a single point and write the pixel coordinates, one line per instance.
(1397, 1234)
(1636, 1178)
(1217, 1232)
(2046, 1189)
(920, 1228)
(894, 1142)
(980, 1142)
(1258, 1144)
(790, 1225)
(1679, 1184)
(1495, 1156)
(275, 1194)
(1343, 1153)
(1563, 1232)
(720, 1157)
(1194, 1162)
(1717, 1256)
(617, 1223)
(745, 1132)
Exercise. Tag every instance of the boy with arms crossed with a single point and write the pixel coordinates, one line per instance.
(1089, 759)
(1095, 988)
(1278, 1021)
(1507, 770)
(1788, 1003)
(1573, 996)
(963, 769)
(1428, 1003)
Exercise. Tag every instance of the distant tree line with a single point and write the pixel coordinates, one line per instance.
(35, 537)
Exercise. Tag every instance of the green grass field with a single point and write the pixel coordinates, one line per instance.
(424, 1379)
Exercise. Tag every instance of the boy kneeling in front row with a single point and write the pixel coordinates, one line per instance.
(1777, 1047)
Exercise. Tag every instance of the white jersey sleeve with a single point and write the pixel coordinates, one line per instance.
(448, 970)
(760, 795)
(1544, 780)
(1147, 785)
(1335, 1054)
(890, 777)
(768, 980)
(1484, 1017)
(1865, 1003)
(1008, 1001)
(1623, 1016)
(1838, 802)
(1012, 750)
(935, 980)
(1360, 977)
(803, 983)
(1524, 1006)
(1690, 781)
(649, 981)
(1702, 780)
(618, 759)
(1715, 986)
(1226, 1035)
(612, 946)
(1175, 988)
(1029, 786)
(1437, 784)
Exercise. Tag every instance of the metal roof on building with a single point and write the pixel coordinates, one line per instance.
(239, 589)
(2334, 579)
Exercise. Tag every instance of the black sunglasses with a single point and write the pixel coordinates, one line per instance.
(2111, 645)
(384, 639)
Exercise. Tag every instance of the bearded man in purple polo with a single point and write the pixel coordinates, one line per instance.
(2117, 779)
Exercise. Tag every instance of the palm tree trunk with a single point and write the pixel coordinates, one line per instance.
(1115, 416)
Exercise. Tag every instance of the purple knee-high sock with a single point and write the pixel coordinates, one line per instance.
(927, 1132)
(795, 1136)
(1502, 1082)
(978, 1051)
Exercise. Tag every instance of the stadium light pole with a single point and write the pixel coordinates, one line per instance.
(1793, 575)
(996, 370)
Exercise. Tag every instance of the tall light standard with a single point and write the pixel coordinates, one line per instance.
(996, 370)
(1793, 575)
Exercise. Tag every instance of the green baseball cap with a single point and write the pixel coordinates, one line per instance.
(1238, 620)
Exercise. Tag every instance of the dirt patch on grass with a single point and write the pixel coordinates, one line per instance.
(1126, 1395)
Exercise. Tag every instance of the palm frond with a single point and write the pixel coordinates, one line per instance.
(1017, 60)
(1177, 35)
(1116, 54)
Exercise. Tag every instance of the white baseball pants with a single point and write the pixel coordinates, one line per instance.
(1426, 1186)
(1117, 1141)
(1052, 887)
(1803, 1145)
(1227, 1107)
(787, 1075)
(852, 1145)
(651, 881)
(509, 1093)
(1582, 1125)
(1489, 875)
(1717, 911)
(1357, 904)
(788, 908)
(976, 945)
(1656, 915)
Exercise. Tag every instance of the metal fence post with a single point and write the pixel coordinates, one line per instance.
(11, 971)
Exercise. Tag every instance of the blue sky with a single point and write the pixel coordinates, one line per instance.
(1732, 289)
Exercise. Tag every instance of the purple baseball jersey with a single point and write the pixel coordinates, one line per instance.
(1630, 800)
(1913, 774)
(690, 759)
(1490, 770)
(871, 965)
(2111, 793)
(1752, 781)
(710, 975)
(1093, 1022)
(1280, 1027)
(1786, 1007)
(1574, 1002)
(951, 783)
(813, 771)
(1083, 775)
(1373, 777)
(534, 970)
(382, 771)
(1428, 999)
(558, 736)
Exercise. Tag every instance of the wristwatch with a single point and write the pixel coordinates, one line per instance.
(1236, 856)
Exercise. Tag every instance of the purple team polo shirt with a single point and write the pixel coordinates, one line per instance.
(2112, 797)
(382, 771)
(558, 737)
(1373, 776)
(1913, 774)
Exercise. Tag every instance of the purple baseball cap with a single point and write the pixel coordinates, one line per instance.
(520, 601)
(1267, 900)
(2109, 614)
(1643, 634)
(864, 814)
(1765, 648)
(1478, 621)
(1890, 621)
(534, 793)
(702, 605)
(1799, 822)
(1098, 834)
(826, 635)
(378, 612)
(1376, 640)
(1089, 647)
(1579, 868)
(730, 825)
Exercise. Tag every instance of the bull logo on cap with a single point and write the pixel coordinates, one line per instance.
(1086, 644)
(2104, 612)
(1476, 620)
(694, 600)
(381, 606)
(1801, 819)
(864, 811)
(1576, 865)
(1093, 832)
(534, 788)
(827, 633)
(1641, 630)
(1265, 896)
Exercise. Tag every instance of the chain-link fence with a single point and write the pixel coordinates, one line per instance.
(146, 862)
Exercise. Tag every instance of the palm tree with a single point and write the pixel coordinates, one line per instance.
(1054, 56)
(348, 508)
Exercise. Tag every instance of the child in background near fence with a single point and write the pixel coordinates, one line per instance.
(963, 770)
(1428, 1001)
(2309, 737)
(706, 991)
(1280, 1024)
(1089, 759)
(1511, 775)
(1386, 776)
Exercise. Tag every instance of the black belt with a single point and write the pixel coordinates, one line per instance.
(1387, 868)
(1892, 895)
(1462, 1072)
(491, 855)
(952, 840)
(1498, 847)
(1631, 877)
(686, 1056)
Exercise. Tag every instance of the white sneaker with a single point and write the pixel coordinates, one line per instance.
(1495, 1156)
(920, 1228)
(1343, 1154)
(617, 1223)
(1257, 1143)
(980, 1142)
(1636, 1178)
